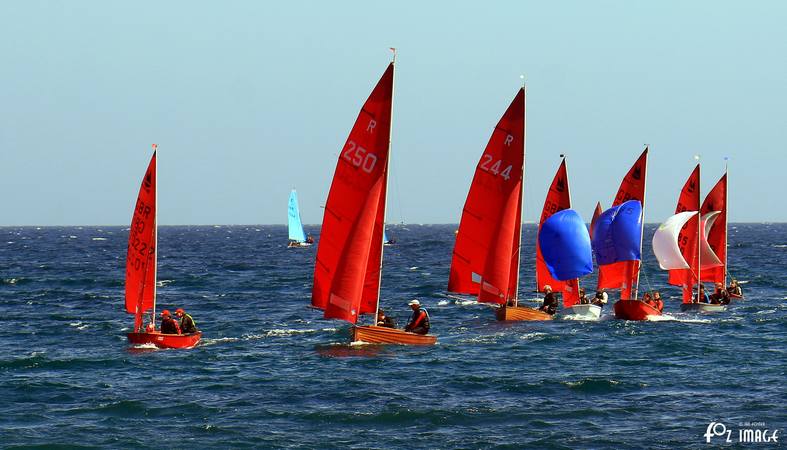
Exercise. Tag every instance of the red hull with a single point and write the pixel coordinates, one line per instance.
(634, 310)
(165, 340)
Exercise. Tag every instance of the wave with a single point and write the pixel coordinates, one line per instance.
(671, 318)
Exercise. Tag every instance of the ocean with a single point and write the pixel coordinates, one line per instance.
(271, 373)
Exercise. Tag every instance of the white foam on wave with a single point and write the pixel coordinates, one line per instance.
(148, 346)
(79, 325)
(99, 239)
(779, 246)
(10, 280)
(531, 336)
(669, 318)
(293, 332)
(443, 302)
(162, 283)
(581, 318)
(414, 268)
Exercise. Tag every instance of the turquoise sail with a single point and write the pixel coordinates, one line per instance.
(294, 219)
(385, 237)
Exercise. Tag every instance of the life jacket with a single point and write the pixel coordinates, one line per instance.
(169, 326)
(185, 320)
(424, 321)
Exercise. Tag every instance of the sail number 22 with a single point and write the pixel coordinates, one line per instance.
(359, 156)
(494, 169)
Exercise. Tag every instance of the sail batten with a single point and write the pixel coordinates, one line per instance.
(347, 267)
(486, 256)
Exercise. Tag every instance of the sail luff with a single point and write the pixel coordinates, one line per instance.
(385, 196)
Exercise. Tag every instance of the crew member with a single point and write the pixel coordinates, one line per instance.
(187, 324)
(385, 321)
(550, 301)
(168, 324)
(419, 322)
(658, 301)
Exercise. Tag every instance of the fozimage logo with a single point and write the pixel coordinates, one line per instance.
(748, 432)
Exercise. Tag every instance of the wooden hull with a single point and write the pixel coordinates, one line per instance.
(165, 340)
(702, 307)
(294, 244)
(521, 313)
(634, 310)
(585, 311)
(383, 335)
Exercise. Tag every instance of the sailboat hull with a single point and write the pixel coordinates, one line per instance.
(383, 335)
(521, 313)
(295, 244)
(165, 340)
(584, 311)
(634, 310)
(702, 307)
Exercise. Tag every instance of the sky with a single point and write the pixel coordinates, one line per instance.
(248, 99)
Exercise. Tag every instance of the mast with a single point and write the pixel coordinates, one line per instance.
(699, 228)
(521, 196)
(155, 240)
(726, 218)
(385, 200)
(642, 226)
(568, 188)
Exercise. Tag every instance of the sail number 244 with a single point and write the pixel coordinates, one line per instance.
(495, 167)
(359, 156)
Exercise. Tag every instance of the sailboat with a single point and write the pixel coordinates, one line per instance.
(716, 200)
(141, 268)
(297, 237)
(624, 274)
(387, 241)
(567, 249)
(695, 251)
(486, 254)
(348, 267)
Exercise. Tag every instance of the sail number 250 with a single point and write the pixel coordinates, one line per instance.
(494, 169)
(359, 157)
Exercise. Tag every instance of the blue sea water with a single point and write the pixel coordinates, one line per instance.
(271, 373)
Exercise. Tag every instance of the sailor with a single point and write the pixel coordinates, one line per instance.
(735, 288)
(703, 296)
(168, 324)
(658, 301)
(600, 299)
(550, 301)
(309, 239)
(187, 324)
(720, 295)
(583, 299)
(419, 322)
(385, 321)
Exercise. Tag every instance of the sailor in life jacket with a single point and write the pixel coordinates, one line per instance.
(168, 324)
(419, 322)
(187, 324)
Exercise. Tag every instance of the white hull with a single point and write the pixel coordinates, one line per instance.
(584, 311)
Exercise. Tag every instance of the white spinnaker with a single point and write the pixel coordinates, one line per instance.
(665, 241)
(708, 257)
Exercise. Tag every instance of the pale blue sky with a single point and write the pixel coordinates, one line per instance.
(247, 99)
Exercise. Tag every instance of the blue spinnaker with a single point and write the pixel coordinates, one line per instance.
(618, 233)
(294, 219)
(565, 245)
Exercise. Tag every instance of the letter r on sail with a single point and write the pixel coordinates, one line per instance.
(370, 127)
(509, 140)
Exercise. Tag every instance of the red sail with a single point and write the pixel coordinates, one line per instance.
(486, 253)
(140, 259)
(689, 200)
(716, 200)
(596, 213)
(624, 274)
(558, 199)
(347, 269)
